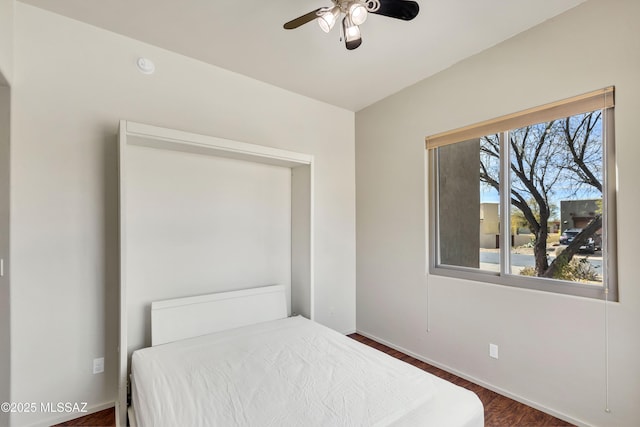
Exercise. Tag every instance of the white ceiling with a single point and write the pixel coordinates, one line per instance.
(247, 37)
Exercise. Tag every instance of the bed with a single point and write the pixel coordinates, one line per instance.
(236, 359)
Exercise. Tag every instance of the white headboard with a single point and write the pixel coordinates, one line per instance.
(181, 318)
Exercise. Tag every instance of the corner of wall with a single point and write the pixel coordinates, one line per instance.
(6, 41)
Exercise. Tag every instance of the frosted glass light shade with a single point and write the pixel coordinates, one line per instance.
(328, 19)
(352, 38)
(351, 32)
(358, 13)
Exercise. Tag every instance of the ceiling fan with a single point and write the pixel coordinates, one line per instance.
(355, 13)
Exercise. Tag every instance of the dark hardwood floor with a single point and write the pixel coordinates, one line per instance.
(106, 418)
(499, 411)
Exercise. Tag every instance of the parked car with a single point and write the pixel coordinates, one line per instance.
(568, 236)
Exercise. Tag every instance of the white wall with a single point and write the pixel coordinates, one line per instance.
(198, 223)
(73, 82)
(552, 348)
(5, 318)
(6, 70)
(6, 39)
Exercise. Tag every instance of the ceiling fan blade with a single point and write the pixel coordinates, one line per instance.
(300, 20)
(400, 9)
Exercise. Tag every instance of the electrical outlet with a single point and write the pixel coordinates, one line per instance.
(98, 365)
(493, 351)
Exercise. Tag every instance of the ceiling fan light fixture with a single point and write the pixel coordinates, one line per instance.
(355, 14)
(351, 31)
(358, 13)
(327, 18)
(352, 37)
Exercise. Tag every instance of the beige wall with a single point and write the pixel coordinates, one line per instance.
(73, 83)
(489, 225)
(6, 70)
(6, 40)
(552, 347)
(5, 319)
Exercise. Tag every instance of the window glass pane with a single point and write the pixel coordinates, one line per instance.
(556, 199)
(468, 202)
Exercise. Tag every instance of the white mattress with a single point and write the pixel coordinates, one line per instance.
(289, 372)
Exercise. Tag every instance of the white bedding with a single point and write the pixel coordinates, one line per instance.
(289, 372)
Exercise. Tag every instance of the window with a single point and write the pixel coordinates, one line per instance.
(527, 200)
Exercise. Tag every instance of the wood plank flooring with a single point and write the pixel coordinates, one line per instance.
(106, 418)
(499, 411)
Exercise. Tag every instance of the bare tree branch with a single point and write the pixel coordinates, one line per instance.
(544, 156)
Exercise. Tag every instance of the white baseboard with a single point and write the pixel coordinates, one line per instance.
(491, 387)
(72, 416)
